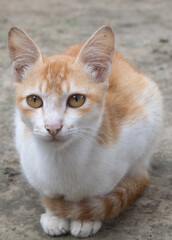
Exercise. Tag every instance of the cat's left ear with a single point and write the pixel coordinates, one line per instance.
(95, 57)
(24, 53)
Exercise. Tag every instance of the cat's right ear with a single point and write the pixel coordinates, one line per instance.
(95, 57)
(24, 53)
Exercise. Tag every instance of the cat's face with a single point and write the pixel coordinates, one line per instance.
(61, 98)
(58, 94)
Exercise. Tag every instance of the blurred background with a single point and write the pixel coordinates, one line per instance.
(143, 33)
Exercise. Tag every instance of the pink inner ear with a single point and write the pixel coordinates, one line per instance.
(19, 72)
(97, 53)
(23, 52)
(100, 73)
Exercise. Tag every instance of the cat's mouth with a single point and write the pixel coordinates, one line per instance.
(52, 139)
(58, 139)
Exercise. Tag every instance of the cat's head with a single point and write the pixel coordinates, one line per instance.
(61, 97)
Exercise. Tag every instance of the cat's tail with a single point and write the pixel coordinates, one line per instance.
(99, 208)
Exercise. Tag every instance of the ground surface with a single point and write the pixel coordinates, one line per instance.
(144, 35)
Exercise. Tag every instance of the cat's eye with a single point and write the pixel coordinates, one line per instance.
(76, 100)
(34, 101)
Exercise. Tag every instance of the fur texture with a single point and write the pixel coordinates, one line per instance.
(97, 163)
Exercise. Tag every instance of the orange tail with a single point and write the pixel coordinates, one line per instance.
(99, 208)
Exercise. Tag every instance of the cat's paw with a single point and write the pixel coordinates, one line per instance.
(54, 226)
(84, 228)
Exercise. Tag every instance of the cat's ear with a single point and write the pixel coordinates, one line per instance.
(95, 57)
(24, 53)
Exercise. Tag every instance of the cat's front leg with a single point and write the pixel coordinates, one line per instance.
(84, 228)
(53, 225)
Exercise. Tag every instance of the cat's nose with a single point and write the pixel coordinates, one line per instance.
(53, 129)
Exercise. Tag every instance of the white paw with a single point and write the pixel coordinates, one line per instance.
(53, 225)
(84, 228)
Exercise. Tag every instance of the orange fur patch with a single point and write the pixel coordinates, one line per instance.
(120, 105)
(53, 74)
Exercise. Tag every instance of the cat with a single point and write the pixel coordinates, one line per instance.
(87, 124)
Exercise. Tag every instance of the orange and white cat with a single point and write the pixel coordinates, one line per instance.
(87, 124)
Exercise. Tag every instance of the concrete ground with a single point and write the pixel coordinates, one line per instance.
(144, 35)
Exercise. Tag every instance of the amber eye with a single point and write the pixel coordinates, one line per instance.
(76, 100)
(34, 101)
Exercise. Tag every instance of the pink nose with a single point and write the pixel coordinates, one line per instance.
(53, 129)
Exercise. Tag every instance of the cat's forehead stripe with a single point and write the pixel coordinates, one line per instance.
(53, 76)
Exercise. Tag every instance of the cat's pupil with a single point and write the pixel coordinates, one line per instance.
(34, 98)
(76, 98)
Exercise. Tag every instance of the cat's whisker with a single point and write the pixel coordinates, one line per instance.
(91, 140)
(98, 136)
(79, 133)
(34, 133)
(88, 134)
(97, 129)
